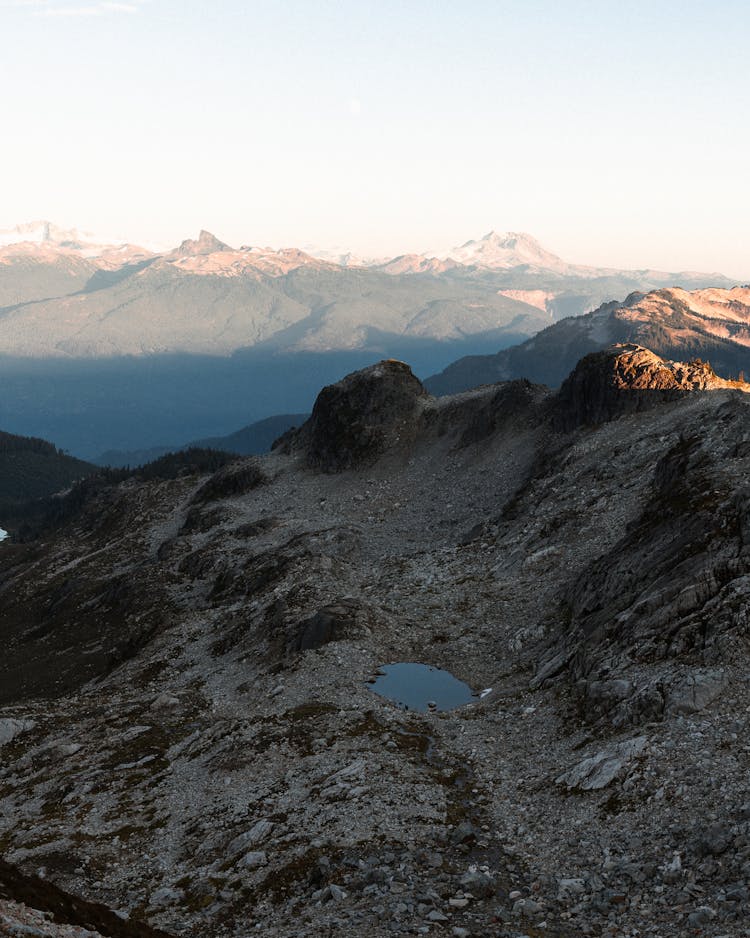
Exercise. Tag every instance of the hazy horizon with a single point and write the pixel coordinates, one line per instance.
(146, 242)
(615, 136)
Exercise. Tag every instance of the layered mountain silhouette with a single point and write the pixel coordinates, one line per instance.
(67, 294)
(252, 440)
(113, 346)
(711, 324)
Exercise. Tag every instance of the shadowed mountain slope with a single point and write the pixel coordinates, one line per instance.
(32, 468)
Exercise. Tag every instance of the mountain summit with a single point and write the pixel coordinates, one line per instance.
(504, 250)
(72, 297)
(206, 244)
(626, 378)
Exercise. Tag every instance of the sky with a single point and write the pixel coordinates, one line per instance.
(616, 133)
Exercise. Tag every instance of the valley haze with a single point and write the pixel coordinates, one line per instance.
(114, 346)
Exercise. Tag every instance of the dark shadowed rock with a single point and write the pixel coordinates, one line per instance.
(65, 907)
(232, 480)
(362, 416)
(476, 417)
(346, 618)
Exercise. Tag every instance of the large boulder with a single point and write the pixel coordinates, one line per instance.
(361, 417)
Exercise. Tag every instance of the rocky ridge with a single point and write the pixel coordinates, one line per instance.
(626, 378)
(710, 324)
(233, 770)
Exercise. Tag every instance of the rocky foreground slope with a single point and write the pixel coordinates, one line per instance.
(188, 735)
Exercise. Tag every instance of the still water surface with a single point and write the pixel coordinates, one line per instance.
(415, 686)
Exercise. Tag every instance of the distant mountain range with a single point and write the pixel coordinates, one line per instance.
(64, 293)
(107, 345)
(255, 439)
(712, 324)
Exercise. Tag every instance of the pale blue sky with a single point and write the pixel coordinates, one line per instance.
(616, 133)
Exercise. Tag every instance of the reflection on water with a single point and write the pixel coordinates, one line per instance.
(421, 687)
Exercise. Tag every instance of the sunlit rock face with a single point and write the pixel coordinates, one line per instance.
(711, 324)
(627, 378)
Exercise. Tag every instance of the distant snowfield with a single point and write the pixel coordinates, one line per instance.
(3, 534)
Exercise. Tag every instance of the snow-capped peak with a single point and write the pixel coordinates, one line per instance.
(503, 250)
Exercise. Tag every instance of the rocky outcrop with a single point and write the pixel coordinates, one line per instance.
(625, 379)
(674, 590)
(361, 417)
(602, 768)
(476, 417)
(346, 618)
(234, 479)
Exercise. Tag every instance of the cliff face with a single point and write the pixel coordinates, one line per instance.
(673, 589)
(214, 758)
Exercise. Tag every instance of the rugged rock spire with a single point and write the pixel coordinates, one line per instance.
(206, 244)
